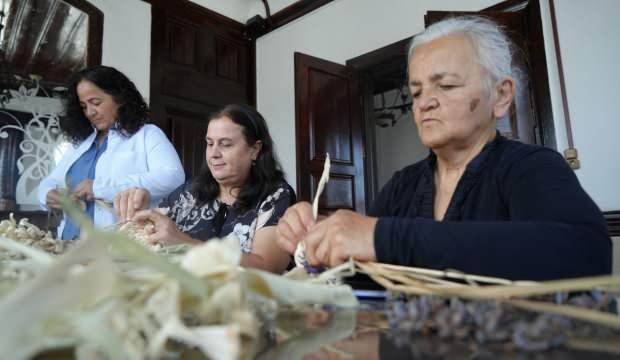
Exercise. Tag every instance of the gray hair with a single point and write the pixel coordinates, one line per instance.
(492, 47)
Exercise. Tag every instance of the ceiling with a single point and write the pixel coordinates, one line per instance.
(43, 34)
(51, 36)
(242, 10)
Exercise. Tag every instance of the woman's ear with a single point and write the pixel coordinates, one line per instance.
(505, 93)
(256, 148)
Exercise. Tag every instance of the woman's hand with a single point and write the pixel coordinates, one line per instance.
(293, 226)
(128, 202)
(52, 200)
(340, 236)
(84, 190)
(165, 231)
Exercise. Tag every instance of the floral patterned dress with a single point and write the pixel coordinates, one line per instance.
(216, 219)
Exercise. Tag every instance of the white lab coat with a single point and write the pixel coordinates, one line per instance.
(147, 160)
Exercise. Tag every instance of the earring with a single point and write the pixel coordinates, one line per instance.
(253, 162)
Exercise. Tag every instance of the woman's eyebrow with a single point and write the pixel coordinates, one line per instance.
(442, 75)
(435, 77)
(218, 140)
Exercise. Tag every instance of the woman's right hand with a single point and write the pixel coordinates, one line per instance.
(294, 225)
(128, 202)
(52, 200)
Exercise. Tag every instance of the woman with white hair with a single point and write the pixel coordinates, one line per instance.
(479, 203)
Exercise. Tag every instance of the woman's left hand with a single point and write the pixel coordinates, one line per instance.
(84, 190)
(165, 231)
(342, 235)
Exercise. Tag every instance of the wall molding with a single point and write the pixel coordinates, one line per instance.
(613, 222)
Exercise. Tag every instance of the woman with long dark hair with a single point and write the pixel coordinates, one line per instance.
(241, 190)
(113, 148)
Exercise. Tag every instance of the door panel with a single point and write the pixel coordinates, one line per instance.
(200, 62)
(330, 125)
(186, 128)
(329, 120)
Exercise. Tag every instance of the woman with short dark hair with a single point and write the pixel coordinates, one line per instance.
(240, 191)
(113, 148)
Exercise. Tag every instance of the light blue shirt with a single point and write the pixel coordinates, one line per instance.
(83, 168)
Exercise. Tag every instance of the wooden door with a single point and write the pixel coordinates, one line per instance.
(329, 119)
(200, 61)
(529, 119)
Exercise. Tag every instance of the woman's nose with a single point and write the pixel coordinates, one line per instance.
(214, 151)
(426, 101)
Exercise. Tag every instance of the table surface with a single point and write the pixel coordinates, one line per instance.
(365, 334)
(338, 334)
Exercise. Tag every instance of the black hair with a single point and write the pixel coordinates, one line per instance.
(133, 111)
(265, 172)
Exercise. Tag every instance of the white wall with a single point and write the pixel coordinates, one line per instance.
(127, 39)
(589, 36)
(338, 31)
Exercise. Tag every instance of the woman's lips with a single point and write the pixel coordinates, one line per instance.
(428, 121)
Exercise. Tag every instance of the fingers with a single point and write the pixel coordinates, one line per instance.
(138, 200)
(84, 190)
(52, 200)
(304, 212)
(344, 234)
(150, 215)
(128, 202)
(313, 240)
(120, 205)
(293, 225)
(163, 231)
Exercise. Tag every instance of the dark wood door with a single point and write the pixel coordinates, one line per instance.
(529, 119)
(200, 61)
(329, 119)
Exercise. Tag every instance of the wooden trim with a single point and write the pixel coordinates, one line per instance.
(191, 7)
(389, 52)
(613, 222)
(279, 19)
(539, 77)
(292, 13)
(558, 56)
(295, 11)
(95, 30)
(508, 5)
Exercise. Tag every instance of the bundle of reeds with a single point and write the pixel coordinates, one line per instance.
(526, 295)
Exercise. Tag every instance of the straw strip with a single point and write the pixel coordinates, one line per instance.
(575, 312)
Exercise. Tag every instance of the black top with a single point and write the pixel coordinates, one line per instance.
(216, 219)
(518, 212)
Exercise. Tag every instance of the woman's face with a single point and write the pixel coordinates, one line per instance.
(451, 104)
(229, 156)
(99, 107)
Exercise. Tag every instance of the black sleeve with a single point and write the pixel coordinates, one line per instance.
(555, 230)
(385, 200)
